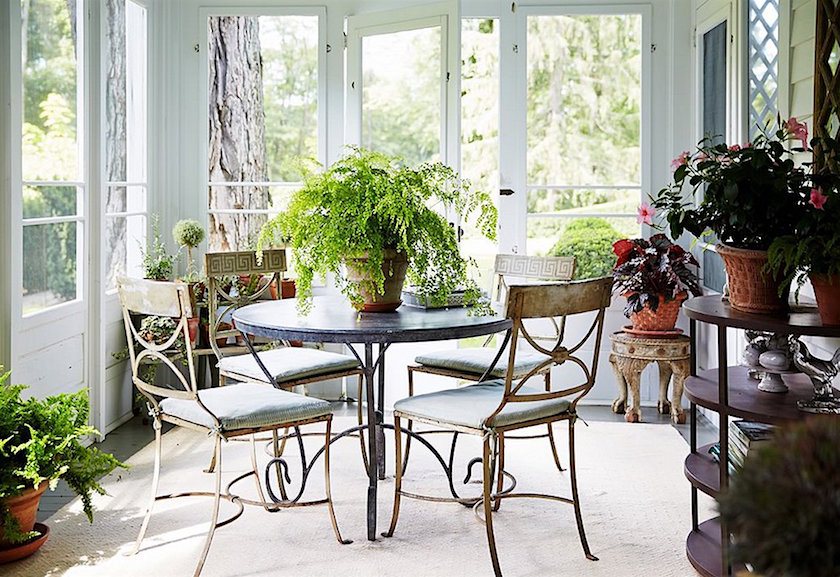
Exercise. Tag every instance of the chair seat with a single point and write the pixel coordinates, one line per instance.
(476, 361)
(471, 405)
(246, 406)
(286, 364)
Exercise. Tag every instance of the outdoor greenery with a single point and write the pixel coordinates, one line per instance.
(43, 441)
(782, 506)
(590, 241)
(368, 202)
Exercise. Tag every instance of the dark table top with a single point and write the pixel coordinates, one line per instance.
(334, 320)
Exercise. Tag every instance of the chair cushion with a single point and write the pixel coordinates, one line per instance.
(471, 405)
(287, 364)
(245, 406)
(476, 361)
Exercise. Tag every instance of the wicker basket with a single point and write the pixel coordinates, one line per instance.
(664, 319)
(751, 289)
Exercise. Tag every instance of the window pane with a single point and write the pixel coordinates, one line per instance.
(571, 202)
(401, 98)
(46, 201)
(121, 199)
(123, 257)
(51, 42)
(49, 265)
(584, 99)
(714, 82)
(234, 227)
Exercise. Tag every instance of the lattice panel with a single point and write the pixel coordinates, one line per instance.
(540, 267)
(244, 262)
(763, 64)
(826, 121)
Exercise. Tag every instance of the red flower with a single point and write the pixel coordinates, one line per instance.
(798, 130)
(623, 249)
(817, 198)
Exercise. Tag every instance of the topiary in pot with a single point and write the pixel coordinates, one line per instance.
(189, 233)
(367, 216)
(783, 506)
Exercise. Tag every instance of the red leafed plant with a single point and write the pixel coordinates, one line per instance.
(648, 269)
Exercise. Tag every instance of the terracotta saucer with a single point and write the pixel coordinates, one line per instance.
(17, 552)
(653, 334)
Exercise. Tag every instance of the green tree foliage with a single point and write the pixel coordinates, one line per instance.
(590, 241)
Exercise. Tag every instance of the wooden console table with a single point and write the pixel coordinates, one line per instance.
(730, 392)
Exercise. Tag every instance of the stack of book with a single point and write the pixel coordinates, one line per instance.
(743, 437)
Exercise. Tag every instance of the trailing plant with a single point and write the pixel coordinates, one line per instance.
(368, 202)
(747, 192)
(783, 506)
(158, 264)
(590, 241)
(41, 440)
(648, 269)
(189, 234)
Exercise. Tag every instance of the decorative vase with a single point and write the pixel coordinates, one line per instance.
(664, 318)
(394, 267)
(23, 508)
(751, 289)
(827, 292)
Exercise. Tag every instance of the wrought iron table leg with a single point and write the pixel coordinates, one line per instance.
(373, 450)
(380, 415)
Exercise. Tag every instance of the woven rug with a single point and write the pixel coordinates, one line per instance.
(634, 496)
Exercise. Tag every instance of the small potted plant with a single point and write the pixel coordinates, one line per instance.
(656, 276)
(189, 234)
(158, 263)
(782, 506)
(41, 441)
(813, 250)
(372, 222)
(748, 200)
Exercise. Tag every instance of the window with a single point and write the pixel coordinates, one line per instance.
(263, 84)
(763, 65)
(125, 140)
(53, 140)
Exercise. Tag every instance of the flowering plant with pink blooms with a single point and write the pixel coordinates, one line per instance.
(748, 193)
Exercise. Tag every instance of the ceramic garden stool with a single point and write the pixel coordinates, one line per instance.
(631, 354)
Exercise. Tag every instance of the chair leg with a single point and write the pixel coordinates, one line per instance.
(277, 449)
(487, 466)
(328, 487)
(500, 476)
(214, 517)
(361, 419)
(551, 442)
(153, 495)
(410, 424)
(257, 482)
(398, 476)
(575, 497)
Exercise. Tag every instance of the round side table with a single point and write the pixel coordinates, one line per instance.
(629, 357)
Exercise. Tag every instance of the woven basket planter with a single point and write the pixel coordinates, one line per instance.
(664, 319)
(751, 290)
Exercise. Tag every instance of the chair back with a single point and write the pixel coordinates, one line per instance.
(554, 300)
(170, 300)
(222, 270)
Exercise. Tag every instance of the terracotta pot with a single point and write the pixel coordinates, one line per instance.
(751, 289)
(827, 292)
(192, 326)
(394, 267)
(663, 319)
(288, 288)
(23, 508)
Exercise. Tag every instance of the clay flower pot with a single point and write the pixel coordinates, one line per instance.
(751, 289)
(23, 508)
(394, 267)
(663, 319)
(827, 292)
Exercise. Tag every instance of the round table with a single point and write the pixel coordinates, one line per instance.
(333, 320)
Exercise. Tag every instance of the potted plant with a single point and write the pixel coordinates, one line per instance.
(782, 506)
(371, 222)
(748, 200)
(813, 250)
(158, 264)
(656, 276)
(188, 234)
(41, 441)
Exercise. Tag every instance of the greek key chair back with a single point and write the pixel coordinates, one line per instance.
(169, 300)
(222, 270)
(555, 300)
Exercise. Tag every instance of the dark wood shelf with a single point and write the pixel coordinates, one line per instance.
(702, 471)
(703, 549)
(746, 401)
(800, 321)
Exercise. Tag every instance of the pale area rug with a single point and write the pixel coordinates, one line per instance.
(634, 496)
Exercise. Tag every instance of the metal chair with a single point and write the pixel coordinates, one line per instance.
(470, 364)
(492, 409)
(223, 413)
(289, 366)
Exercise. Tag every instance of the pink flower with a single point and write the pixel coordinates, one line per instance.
(747, 145)
(682, 159)
(735, 148)
(645, 214)
(798, 130)
(702, 157)
(817, 198)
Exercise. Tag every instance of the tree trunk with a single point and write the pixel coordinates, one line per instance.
(237, 131)
(115, 138)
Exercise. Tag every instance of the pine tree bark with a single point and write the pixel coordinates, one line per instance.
(236, 130)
